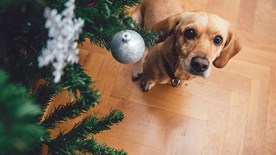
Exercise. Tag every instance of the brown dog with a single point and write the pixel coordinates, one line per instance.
(188, 43)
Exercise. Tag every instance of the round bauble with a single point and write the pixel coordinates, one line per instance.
(127, 46)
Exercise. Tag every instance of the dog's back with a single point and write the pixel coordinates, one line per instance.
(152, 11)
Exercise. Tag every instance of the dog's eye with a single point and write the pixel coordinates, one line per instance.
(218, 40)
(190, 34)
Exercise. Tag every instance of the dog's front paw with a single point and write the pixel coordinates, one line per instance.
(146, 85)
(137, 71)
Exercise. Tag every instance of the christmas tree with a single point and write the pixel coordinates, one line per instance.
(30, 39)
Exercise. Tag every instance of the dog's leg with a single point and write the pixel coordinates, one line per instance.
(138, 66)
(147, 85)
(137, 71)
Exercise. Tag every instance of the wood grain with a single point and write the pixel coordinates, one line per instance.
(231, 113)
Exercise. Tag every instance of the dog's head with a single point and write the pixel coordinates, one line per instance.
(200, 39)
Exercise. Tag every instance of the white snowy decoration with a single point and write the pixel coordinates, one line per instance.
(64, 30)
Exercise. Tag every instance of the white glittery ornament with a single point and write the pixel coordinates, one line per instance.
(127, 46)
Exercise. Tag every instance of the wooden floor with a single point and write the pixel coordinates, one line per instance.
(231, 113)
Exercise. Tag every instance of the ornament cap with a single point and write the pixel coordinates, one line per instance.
(126, 36)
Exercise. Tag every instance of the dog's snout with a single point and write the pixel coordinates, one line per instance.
(200, 64)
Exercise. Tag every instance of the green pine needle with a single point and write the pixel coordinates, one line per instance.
(45, 93)
(66, 112)
(92, 125)
(91, 145)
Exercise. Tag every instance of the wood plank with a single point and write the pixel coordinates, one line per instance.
(123, 84)
(169, 133)
(257, 111)
(246, 17)
(270, 138)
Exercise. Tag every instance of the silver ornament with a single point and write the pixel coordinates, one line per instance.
(127, 46)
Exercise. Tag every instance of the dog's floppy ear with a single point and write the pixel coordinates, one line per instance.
(230, 49)
(167, 26)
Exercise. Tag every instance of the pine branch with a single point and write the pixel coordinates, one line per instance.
(91, 145)
(90, 125)
(66, 112)
(123, 4)
(45, 93)
(17, 130)
(76, 80)
(150, 37)
(114, 117)
(83, 146)
(64, 148)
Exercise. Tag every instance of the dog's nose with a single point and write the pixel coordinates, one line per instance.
(199, 64)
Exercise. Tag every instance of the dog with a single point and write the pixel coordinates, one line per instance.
(189, 43)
